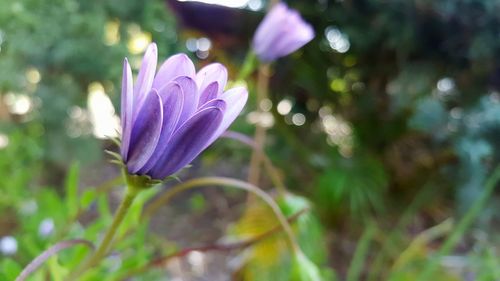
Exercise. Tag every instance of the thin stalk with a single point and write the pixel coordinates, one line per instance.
(419, 242)
(103, 248)
(40, 260)
(260, 130)
(248, 66)
(356, 267)
(227, 182)
(462, 226)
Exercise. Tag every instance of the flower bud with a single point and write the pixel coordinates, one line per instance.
(281, 32)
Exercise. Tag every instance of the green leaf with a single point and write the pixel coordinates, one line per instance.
(103, 207)
(56, 270)
(304, 269)
(87, 197)
(10, 269)
(71, 187)
(307, 226)
(197, 203)
(291, 204)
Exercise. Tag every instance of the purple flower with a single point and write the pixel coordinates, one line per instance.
(170, 118)
(280, 33)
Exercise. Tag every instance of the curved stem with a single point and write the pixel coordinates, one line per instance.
(162, 261)
(39, 260)
(103, 248)
(228, 182)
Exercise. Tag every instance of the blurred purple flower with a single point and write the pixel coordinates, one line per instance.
(170, 118)
(280, 33)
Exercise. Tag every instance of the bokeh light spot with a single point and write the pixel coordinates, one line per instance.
(102, 113)
(8, 245)
(4, 141)
(338, 85)
(112, 33)
(33, 75)
(284, 106)
(139, 40)
(298, 119)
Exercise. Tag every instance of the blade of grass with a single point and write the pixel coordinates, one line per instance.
(359, 259)
(462, 226)
(415, 248)
(421, 198)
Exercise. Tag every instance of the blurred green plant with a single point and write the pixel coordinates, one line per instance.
(407, 106)
(411, 93)
(53, 218)
(19, 165)
(51, 53)
(354, 186)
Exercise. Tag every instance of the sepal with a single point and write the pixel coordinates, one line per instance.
(139, 182)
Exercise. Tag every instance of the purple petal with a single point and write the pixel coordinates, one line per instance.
(173, 99)
(187, 142)
(145, 77)
(269, 28)
(176, 65)
(294, 39)
(210, 73)
(282, 32)
(210, 93)
(126, 108)
(219, 103)
(235, 100)
(191, 97)
(145, 132)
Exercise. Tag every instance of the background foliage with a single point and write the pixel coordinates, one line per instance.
(388, 122)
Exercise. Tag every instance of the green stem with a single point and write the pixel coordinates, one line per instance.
(117, 220)
(248, 66)
(103, 248)
(462, 226)
(228, 182)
